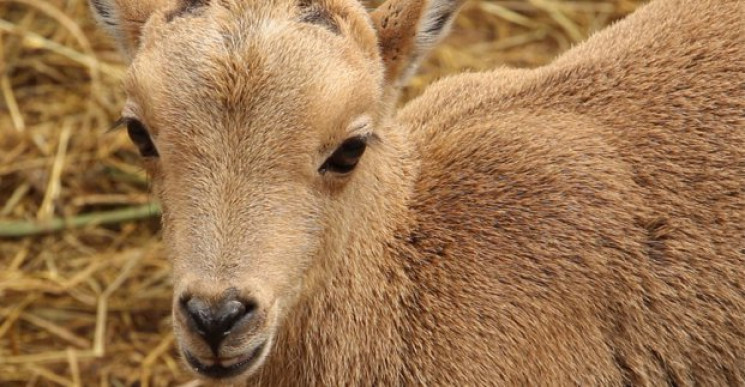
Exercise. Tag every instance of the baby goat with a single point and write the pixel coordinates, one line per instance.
(578, 224)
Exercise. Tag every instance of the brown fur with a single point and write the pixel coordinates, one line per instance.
(577, 224)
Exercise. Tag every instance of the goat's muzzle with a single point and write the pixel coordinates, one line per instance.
(221, 336)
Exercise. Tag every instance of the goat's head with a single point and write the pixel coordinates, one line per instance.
(262, 124)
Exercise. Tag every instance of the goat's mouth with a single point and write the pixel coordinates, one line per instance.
(222, 368)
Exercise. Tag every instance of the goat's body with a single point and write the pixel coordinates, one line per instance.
(578, 224)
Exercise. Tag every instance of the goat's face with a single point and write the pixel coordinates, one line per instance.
(257, 123)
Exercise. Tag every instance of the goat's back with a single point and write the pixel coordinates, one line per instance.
(585, 222)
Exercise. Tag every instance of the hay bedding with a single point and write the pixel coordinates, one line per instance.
(89, 305)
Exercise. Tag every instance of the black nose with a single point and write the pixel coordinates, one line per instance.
(213, 321)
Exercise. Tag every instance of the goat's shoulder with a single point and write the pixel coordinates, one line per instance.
(507, 214)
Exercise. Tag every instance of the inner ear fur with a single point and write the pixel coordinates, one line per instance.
(123, 19)
(407, 30)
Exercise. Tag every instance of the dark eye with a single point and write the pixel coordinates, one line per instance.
(141, 138)
(346, 156)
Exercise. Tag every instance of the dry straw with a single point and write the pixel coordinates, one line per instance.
(84, 289)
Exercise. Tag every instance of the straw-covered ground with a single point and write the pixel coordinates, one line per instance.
(84, 289)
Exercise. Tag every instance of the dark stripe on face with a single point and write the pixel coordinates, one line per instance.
(185, 8)
(318, 15)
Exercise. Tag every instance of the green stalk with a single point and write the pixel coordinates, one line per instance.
(16, 229)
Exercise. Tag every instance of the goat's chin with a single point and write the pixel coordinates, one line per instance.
(227, 369)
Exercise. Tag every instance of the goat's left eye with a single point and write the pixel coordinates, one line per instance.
(141, 138)
(346, 156)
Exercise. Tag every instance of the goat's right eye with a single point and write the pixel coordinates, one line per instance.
(141, 138)
(345, 157)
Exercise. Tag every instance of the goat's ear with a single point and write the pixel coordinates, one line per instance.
(123, 19)
(408, 30)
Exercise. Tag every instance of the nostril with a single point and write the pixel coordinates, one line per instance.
(199, 313)
(231, 312)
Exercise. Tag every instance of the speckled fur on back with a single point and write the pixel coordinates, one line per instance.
(578, 224)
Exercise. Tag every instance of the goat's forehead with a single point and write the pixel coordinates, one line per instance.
(207, 68)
